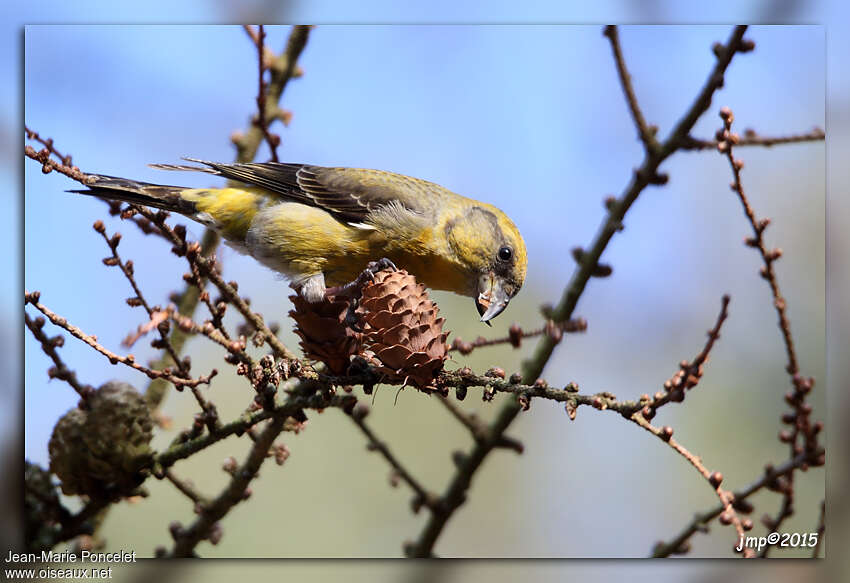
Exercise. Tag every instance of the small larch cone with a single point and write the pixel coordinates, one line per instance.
(103, 450)
(401, 328)
(325, 335)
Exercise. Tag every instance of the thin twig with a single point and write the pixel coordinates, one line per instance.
(127, 269)
(189, 326)
(251, 32)
(690, 373)
(751, 138)
(48, 164)
(187, 539)
(713, 478)
(216, 311)
(186, 305)
(646, 133)
(129, 360)
(516, 334)
(678, 544)
(757, 241)
(725, 54)
(423, 496)
(476, 426)
(208, 269)
(272, 140)
(480, 431)
(185, 487)
(49, 345)
(291, 407)
(801, 411)
(283, 69)
(48, 143)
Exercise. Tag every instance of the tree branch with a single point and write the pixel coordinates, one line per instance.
(679, 544)
(751, 138)
(480, 431)
(129, 360)
(588, 267)
(800, 415)
(516, 334)
(49, 345)
(187, 539)
(273, 140)
(247, 144)
(289, 408)
(423, 496)
(646, 133)
(714, 478)
(185, 487)
(283, 69)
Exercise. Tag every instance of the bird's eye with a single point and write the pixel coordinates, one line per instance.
(505, 254)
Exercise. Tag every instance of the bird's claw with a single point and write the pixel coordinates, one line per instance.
(382, 263)
(354, 289)
(368, 274)
(351, 319)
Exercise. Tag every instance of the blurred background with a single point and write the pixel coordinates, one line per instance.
(530, 118)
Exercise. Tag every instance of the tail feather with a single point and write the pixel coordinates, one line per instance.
(154, 195)
(186, 168)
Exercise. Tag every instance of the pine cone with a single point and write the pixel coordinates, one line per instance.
(103, 450)
(401, 328)
(325, 336)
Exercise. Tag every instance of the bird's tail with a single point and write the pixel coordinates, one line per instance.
(154, 195)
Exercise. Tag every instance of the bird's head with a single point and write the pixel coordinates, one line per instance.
(488, 245)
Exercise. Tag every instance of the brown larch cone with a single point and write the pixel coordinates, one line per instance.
(401, 328)
(324, 334)
(105, 449)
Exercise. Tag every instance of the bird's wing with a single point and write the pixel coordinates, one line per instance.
(349, 194)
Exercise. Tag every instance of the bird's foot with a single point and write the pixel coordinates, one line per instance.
(351, 319)
(354, 289)
(374, 267)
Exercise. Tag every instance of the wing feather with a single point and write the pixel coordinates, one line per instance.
(349, 194)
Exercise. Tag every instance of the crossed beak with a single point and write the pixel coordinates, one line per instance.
(492, 298)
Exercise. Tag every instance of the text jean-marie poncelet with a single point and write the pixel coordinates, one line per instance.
(83, 556)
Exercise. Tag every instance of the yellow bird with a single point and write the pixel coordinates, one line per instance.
(322, 226)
